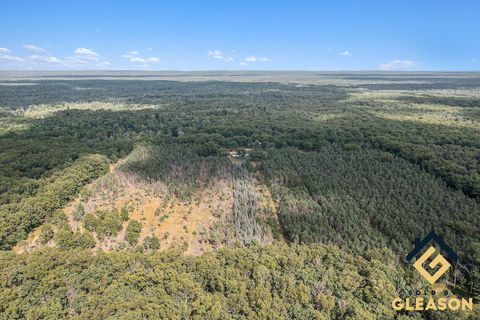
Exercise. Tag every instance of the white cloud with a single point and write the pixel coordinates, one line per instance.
(86, 54)
(345, 53)
(75, 61)
(216, 54)
(243, 63)
(137, 59)
(128, 56)
(153, 59)
(256, 59)
(83, 58)
(33, 48)
(133, 56)
(398, 65)
(45, 59)
(4, 50)
(7, 57)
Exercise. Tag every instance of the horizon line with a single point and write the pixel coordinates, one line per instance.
(234, 70)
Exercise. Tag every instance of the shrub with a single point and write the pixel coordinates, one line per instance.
(151, 243)
(79, 212)
(65, 239)
(124, 213)
(90, 222)
(133, 232)
(85, 240)
(46, 234)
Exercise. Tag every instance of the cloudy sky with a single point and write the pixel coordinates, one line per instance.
(240, 35)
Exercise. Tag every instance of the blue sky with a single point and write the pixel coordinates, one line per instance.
(240, 35)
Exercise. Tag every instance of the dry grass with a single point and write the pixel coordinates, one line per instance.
(204, 222)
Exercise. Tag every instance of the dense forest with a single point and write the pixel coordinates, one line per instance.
(272, 282)
(300, 197)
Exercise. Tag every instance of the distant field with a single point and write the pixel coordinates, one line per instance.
(300, 77)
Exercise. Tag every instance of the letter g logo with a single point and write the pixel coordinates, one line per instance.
(438, 260)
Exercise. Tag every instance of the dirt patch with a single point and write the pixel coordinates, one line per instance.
(203, 222)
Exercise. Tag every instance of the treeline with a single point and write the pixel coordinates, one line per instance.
(139, 91)
(180, 167)
(450, 153)
(18, 219)
(365, 198)
(272, 282)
